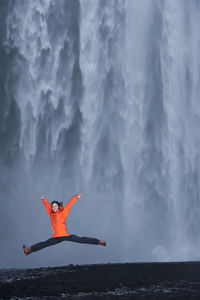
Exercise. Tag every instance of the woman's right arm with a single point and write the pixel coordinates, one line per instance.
(46, 204)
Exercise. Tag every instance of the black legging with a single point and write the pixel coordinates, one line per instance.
(56, 240)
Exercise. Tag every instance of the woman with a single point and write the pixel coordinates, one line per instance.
(58, 216)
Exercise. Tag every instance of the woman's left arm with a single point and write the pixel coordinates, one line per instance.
(70, 203)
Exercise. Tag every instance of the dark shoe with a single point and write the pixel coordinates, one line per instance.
(27, 250)
(101, 242)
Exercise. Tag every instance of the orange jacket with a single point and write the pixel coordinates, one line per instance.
(58, 219)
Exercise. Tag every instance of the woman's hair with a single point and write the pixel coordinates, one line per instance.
(60, 204)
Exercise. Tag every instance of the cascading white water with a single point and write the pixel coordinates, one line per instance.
(103, 98)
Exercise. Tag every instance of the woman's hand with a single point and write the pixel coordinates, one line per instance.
(43, 197)
(79, 195)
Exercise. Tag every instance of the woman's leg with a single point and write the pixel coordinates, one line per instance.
(83, 240)
(54, 241)
(47, 243)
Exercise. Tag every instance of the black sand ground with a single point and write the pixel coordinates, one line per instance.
(106, 281)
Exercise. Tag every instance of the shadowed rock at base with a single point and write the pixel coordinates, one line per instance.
(178, 280)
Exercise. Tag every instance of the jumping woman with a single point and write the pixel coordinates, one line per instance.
(58, 216)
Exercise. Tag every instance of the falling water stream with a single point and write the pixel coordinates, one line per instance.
(100, 97)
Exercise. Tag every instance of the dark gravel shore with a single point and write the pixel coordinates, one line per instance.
(106, 281)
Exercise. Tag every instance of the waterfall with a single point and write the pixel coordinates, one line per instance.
(101, 97)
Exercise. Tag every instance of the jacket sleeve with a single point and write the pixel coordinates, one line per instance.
(69, 205)
(47, 205)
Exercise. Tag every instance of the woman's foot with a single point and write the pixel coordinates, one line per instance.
(27, 250)
(102, 242)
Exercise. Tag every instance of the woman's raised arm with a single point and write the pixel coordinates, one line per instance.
(70, 203)
(46, 204)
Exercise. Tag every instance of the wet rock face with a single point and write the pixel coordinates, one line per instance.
(124, 281)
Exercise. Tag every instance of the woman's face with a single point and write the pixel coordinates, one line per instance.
(54, 207)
